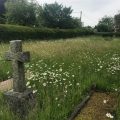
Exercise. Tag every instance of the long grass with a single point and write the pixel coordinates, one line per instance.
(61, 72)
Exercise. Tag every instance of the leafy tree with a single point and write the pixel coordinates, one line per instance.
(39, 19)
(56, 16)
(106, 24)
(117, 22)
(20, 12)
(2, 8)
(2, 11)
(76, 23)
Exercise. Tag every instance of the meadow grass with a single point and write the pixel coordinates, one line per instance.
(61, 72)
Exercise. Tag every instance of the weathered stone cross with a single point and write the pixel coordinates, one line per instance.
(20, 100)
(18, 58)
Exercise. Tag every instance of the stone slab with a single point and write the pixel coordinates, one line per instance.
(6, 85)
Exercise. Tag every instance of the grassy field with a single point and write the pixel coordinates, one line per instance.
(61, 72)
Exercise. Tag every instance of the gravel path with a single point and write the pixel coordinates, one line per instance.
(101, 106)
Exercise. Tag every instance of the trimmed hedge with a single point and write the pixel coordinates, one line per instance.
(10, 32)
(108, 34)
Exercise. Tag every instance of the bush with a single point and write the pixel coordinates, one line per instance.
(10, 32)
(108, 34)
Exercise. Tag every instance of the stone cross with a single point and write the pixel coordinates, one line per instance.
(21, 100)
(18, 58)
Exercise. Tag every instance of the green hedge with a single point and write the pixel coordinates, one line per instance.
(10, 32)
(108, 34)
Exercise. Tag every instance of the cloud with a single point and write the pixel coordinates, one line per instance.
(93, 10)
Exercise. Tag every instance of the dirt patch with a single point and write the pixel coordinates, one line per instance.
(6, 85)
(99, 107)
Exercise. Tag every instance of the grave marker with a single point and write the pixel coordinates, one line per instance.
(18, 58)
(20, 100)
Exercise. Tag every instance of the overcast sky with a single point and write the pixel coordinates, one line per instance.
(92, 10)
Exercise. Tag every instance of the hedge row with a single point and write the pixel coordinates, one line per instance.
(10, 32)
(108, 34)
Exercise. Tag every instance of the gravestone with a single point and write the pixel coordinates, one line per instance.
(20, 99)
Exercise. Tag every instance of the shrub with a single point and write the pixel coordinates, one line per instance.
(108, 34)
(9, 32)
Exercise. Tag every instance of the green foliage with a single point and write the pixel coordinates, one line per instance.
(57, 16)
(39, 19)
(117, 22)
(2, 20)
(106, 24)
(20, 12)
(2, 8)
(5, 113)
(108, 34)
(2, 11)
(9, 32)
(29, 13)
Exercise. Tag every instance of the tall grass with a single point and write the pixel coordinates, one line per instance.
(61, 72)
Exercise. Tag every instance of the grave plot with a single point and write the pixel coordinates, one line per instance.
(60, 74)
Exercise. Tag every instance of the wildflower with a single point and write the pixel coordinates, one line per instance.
(28, 83)
(44, 84)
(66, 86)
(66, 91)
(60, 69)
(109, 115)
(73, 75)
(34, 91)
(101, 66)
(78, 84)
(29, 86)
(44, 74)
(56, 98)
(116, 90)
(98, 69)
(58, 105)
(31, 77)
(104, 101)
(8, 72)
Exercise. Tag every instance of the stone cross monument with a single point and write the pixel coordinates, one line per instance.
(18, 58)
(21, 100)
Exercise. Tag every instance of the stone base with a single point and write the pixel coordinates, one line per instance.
(20, 103)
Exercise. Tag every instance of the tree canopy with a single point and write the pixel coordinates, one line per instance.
(29, 13)
(2, 11)
(2, 8)
(56, 16)
(117, 22)
(106, 24)
(20, 12)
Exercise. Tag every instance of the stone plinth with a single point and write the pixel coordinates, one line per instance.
(20, 103)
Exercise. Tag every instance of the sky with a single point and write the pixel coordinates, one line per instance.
(92, 10)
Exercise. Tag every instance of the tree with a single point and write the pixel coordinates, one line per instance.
(76, 23)
(39, 19)
(56, 16)
(2, 11)
(117, 22)
(106, 24)
(20, 12)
